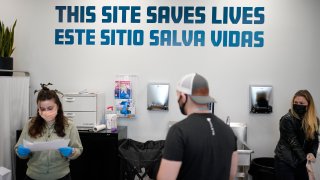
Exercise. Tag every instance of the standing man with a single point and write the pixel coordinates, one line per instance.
(201, 146)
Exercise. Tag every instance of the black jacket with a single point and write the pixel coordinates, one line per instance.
(293, 147)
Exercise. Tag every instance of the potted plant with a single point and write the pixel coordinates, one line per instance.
(6, 48)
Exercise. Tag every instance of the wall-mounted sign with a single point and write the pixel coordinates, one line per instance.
(166, 25)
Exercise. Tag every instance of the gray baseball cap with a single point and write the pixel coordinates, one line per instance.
(196, 86)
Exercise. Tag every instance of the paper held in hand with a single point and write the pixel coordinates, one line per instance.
(50, 145)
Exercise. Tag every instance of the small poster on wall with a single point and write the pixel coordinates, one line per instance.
(123, 90)
(125, 108)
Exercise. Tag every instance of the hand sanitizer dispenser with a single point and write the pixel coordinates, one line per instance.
(111, 118)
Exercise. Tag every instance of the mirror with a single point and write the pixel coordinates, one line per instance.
(260, 99)
(158, 96)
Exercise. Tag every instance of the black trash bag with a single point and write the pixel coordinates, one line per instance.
(262, 169)
(135, 156)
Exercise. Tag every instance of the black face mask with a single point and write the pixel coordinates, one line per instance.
(300, 109)
(182, 106)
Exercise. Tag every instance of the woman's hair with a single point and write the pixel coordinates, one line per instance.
(310, 122)
(38, 123)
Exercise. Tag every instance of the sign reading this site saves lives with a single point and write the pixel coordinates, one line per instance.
(160, 25)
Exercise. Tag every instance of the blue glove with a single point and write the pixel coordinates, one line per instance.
(23, 151)
(65, 151)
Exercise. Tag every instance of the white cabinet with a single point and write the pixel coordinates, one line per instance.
(86, 110)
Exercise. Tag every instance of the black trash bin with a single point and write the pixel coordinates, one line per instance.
(139, 159)
(262, 169)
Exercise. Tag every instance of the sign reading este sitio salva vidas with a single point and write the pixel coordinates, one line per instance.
(204, 26)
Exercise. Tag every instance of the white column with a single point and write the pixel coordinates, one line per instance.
(14, 112)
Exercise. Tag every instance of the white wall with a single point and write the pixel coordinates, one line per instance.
(289, 61)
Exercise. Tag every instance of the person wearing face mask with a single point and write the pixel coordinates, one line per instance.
(49, 124)
(298, 143)
(201, 146)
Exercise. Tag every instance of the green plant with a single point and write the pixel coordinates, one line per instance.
(6, 40)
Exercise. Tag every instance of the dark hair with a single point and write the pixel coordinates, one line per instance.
(38, 123)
